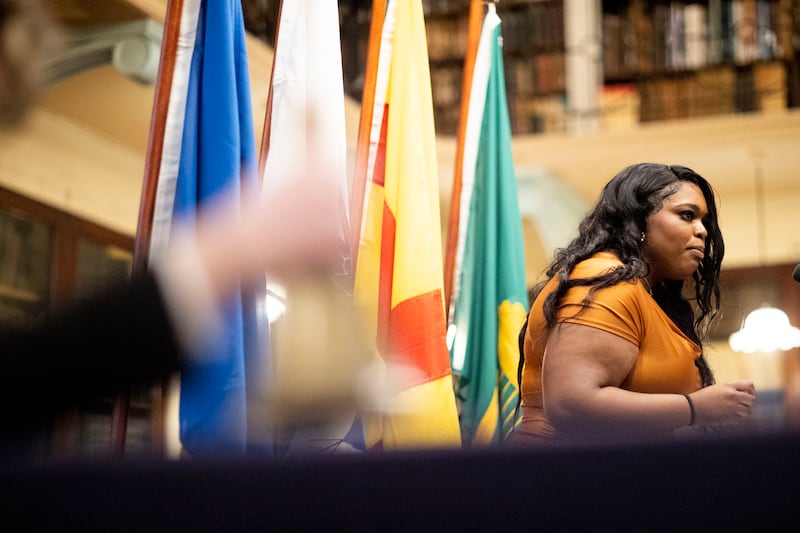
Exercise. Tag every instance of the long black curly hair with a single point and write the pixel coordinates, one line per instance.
(616, 225)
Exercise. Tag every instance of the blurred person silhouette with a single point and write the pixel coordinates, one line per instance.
(612, 346)
(148, 328)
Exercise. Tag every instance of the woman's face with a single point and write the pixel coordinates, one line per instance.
(675, 237)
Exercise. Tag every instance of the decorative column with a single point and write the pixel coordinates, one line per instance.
(584, 77)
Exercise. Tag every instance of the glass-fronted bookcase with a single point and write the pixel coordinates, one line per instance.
(50, 258)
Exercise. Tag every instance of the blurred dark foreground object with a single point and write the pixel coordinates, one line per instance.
(740, 483)
(29, 35)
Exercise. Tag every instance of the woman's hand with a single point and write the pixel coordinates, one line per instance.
(723, 403)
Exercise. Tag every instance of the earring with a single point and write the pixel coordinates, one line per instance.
(641, 239)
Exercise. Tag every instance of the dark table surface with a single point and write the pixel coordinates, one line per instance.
(742, 482)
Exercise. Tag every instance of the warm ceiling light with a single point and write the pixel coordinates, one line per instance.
(765, 330)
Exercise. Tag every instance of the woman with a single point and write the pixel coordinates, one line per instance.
(612, 348)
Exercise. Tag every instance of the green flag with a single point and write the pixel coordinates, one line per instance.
(490, 293)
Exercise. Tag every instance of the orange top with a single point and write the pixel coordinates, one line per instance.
(665, 363)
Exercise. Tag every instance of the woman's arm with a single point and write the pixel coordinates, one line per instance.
(582, 373)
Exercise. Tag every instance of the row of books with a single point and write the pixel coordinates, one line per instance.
(528, 29)
(528, 115)
(675, 59)
(714, 91)
(444, 7)
(536, 75)
(619, 110)
(446, 82)
(639, 38)
(717, 90)
(526, 79)
(534, 28)
(447, 38)
(449, 7)
(537, 114)
(673, 36)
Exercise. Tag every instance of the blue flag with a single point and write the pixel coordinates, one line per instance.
(212, 149)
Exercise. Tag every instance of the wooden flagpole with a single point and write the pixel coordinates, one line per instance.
(262, 156)
(155, 145)
(264, 150)
(473, 38)
(364, 126)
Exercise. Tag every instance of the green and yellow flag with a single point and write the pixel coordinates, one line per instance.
(489, 296)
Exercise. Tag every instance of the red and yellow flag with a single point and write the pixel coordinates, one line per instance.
(399, 279)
